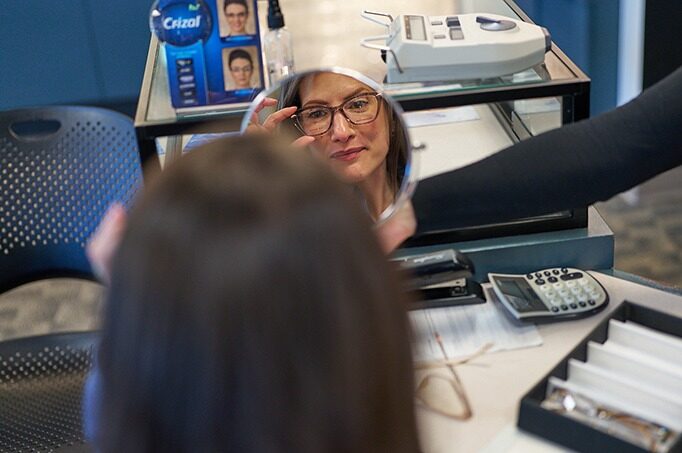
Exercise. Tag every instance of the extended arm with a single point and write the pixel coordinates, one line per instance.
(566, 168)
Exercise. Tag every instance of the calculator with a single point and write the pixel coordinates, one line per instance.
(547, 295)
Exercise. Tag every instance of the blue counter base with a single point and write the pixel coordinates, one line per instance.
(582, 248)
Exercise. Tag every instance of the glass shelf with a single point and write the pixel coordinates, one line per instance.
(517, 106)
(556, 76)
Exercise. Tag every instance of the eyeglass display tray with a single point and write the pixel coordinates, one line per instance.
(575, 434)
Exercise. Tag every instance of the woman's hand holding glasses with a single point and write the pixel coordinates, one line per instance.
(273, 120)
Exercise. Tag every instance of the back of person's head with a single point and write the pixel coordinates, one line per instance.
(250, 309)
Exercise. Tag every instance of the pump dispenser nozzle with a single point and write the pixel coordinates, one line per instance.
(275, 16)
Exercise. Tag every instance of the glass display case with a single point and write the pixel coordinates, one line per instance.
(507, 109)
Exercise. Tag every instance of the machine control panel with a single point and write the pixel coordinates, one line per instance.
(421, 48)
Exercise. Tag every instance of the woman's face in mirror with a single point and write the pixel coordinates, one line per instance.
(357, 152)
(346, 121)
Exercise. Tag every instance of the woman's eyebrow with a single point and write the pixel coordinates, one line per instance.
(317, 102)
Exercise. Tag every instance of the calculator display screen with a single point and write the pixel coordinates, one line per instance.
(415, 28)
(520, 294)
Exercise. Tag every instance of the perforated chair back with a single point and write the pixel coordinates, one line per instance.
(41, 383)
(60, 168)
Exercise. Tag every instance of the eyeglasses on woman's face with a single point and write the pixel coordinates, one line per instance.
(360, 109)
(243, 69)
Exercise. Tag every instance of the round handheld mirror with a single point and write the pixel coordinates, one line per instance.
(346, 119)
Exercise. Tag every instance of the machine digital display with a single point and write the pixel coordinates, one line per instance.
(415, 28)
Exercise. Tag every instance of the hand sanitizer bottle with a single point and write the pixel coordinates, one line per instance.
(279, 54)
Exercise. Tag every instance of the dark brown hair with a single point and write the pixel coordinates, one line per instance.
(396, 160)
(251, 309)
(243, 3)
(239, 53)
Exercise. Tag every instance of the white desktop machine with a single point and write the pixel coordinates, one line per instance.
(464, 46)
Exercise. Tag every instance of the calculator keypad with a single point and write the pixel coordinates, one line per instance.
(571, 291)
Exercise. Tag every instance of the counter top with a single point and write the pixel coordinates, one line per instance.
(495, 382)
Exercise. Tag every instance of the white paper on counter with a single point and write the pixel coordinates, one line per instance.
(440, 116)
(465, 329)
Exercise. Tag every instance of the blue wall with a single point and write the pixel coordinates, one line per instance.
(93, 51)
(72, 51)
(587, 31)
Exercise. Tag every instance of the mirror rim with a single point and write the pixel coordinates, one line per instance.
(409, 182)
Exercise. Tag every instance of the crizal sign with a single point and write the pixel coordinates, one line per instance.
(180, 22)
(170, 23)
(212, 52)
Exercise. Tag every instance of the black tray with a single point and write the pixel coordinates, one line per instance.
(575, 434)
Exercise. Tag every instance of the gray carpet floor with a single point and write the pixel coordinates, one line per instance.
(56, 305)
(649, 232)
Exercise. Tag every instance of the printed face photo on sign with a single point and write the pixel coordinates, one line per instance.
(240, 68)
(236, 18)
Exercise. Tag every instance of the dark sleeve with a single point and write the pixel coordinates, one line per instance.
(570, 167)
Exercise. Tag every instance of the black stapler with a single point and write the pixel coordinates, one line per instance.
(441, 279)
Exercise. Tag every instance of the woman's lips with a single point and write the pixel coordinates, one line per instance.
(347, 154)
